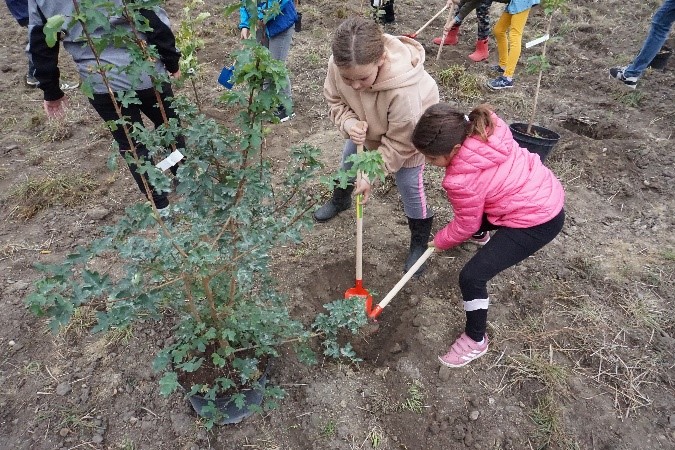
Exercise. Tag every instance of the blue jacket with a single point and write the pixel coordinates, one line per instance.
(283, 22)
(518, 6)
(19, 9)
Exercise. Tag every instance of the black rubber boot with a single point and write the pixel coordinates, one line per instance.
(420, 231)
(342, 200)
(387, 8)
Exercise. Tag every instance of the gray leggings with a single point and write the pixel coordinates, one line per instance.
(410, 184)
(279, 46)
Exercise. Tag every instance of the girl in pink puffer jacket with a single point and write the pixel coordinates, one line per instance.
(492, 184)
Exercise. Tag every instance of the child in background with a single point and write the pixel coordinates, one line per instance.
(492, 184)
(509, 34)
(377, 89)
(276, 34)
(482, 8)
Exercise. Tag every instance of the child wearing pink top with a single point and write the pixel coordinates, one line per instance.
(492, 184)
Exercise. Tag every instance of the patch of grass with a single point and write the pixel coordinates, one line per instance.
(119, 335)
(460, 84)
(32, 368)
(415, 400)
(644, 311)
(535, 366)
(81, 321)
(56, 131)
(126, 444)
(375, 436)
(329, 430)
(74, 418)
(632, 99)
(3, 173)
(668, 254)
(314, 59)
(34, 195)
(35, 157)
(550, 432)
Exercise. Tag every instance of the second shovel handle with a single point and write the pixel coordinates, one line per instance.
(430, 20)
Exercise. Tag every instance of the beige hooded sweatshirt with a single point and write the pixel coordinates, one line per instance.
(402, 91)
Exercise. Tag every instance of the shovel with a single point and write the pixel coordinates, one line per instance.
(358, 290)
(414, 35)
(445, 33)
(374, 312)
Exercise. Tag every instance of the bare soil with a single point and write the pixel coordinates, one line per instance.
(583, 332)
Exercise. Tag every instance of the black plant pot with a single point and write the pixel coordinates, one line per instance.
(541, 141)
(660, 61)
(225, 405)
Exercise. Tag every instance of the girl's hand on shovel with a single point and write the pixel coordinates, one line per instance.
(362, 187)
(453, 2)
(357, 132)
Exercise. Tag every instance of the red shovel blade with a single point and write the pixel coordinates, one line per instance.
(359, 291)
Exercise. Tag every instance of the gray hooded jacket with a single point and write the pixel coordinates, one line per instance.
(45, 58)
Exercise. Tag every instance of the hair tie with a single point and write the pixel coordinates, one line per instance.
(466, 118)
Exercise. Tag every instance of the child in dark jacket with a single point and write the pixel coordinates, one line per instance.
(465, 7)
(45, 61)
(492, 184)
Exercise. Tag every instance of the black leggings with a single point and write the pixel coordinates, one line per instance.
(105, 108)
(506, 248)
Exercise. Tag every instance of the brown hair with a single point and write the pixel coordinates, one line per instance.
(357, 41)
(441, 127)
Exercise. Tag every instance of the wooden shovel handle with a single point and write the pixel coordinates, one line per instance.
(451, 15)
(408, 275)
(429, 21)
(359, 228)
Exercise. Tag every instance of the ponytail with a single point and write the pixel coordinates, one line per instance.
(442, 127)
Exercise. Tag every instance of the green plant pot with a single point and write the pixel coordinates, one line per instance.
(232, 413)
(540, 142)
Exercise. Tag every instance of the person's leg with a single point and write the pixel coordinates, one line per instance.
(662, 22)
(482, 51)
(500, 29)
(150, 107)
(483, 16)
(508, 247)
(341, 199)
(106, 109)
(517, 23)
(410, 183)
(279, 46)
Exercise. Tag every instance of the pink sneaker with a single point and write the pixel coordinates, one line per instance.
(463, 351)
(480, 238)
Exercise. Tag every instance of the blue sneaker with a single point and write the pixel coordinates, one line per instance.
(501, 82)
(497, 68)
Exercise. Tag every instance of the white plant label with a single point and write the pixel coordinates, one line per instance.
(170, 160)
(534, 42)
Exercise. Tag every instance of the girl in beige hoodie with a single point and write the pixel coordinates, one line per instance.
(377, 89)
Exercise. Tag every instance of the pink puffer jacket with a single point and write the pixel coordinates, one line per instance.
(500, 179)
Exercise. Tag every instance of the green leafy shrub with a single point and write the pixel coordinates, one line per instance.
(207, 262)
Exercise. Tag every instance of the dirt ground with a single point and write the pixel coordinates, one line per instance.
(583, 332)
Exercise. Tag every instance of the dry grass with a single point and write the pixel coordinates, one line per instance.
(460, 85)
(34, 195)
(550, 430)
(533, 365)
(81, 321)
